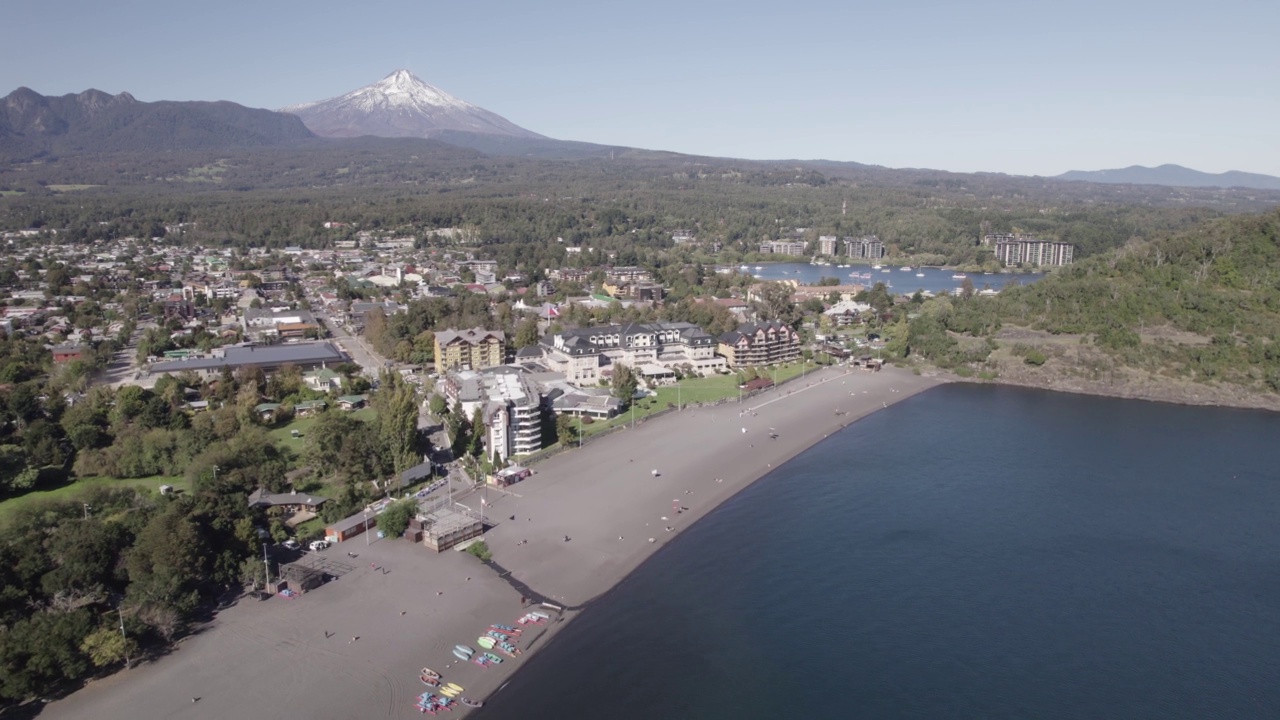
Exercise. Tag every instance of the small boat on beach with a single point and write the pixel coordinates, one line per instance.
(429, 681)
(486, 642)
(460, 655)
(464, 649)
(493, 658)
(482, 660)
(431, 673)
(471, 703)
(506, 628)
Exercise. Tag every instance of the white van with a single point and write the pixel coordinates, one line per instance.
(318, 545)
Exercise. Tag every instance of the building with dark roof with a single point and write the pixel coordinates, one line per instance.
(578, 353)
(764, 343)
(269, 358)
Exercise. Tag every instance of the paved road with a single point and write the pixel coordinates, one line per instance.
(356, 347)
(124, 364)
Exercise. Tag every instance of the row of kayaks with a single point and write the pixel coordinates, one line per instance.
(502, 638)
(442, 695)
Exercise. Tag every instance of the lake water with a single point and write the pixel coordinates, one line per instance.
(935, 280)
(972, 552)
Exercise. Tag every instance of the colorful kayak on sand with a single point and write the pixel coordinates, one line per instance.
(485, 642)
(465, 649)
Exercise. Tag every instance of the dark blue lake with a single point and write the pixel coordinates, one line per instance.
(930, 279)
(973, 552)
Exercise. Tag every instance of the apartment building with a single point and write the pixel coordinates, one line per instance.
(758, 344)
(868, 247)
(1013, 249)
(583, 354)
(472, 349)
(784, 247)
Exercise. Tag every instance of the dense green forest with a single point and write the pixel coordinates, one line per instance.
(1200, 305)
(506, 205)
(73, 571)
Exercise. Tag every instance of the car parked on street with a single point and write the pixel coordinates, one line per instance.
(318, 545)
(291, 544)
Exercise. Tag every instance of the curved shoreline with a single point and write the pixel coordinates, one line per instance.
(351, 648)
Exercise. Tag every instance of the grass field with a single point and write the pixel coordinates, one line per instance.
(283, 435)
(693, 390)
(75, 489)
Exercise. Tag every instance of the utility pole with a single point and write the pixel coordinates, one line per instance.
(266, 567)
(366, 522)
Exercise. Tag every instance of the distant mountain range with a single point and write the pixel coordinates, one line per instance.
(1174, 176)
(33, 125)
(400, 106)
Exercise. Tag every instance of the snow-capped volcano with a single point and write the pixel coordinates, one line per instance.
(401, 105)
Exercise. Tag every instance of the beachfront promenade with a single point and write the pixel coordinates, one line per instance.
(352, 648)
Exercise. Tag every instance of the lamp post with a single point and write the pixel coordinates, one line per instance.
(366, 527)
(127, 662)
(266, 568)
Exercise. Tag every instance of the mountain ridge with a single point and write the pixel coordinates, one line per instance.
(1171, 175)
(34, 125)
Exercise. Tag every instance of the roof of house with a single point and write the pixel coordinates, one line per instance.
(262, 498)
(353, 399)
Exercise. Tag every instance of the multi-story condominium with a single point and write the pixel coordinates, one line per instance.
(512, 416)
(1020, 249)
(783, 247)
(629, 274)
(471, 349)
(645, 291)
(760, 344)
(510, 404)
(827, 245)
(868, 247)
(569, 274)
(583, 354)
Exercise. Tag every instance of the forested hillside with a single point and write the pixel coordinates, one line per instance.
(1201, 305)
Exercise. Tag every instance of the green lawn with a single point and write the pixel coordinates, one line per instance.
(283, 435)
(70, 492)
(693, 390)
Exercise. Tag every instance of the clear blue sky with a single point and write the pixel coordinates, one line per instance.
(1024, 86)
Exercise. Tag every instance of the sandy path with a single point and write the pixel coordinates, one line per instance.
(293, 658)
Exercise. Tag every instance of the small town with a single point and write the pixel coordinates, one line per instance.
(506, 366)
